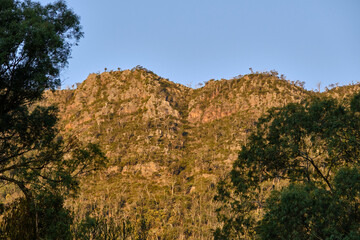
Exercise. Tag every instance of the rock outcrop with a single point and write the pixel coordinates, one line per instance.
(167, 144)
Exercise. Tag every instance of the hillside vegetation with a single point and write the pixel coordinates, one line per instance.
(167, 144)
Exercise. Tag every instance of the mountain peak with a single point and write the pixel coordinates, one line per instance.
(166, 140)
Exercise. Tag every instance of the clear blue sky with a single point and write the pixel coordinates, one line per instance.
(192, 41)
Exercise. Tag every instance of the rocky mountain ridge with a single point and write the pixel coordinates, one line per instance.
(168, 144)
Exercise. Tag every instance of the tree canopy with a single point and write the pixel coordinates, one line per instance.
(35, 44)
(300, 154)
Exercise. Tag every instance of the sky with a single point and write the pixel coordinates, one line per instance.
(193, 41)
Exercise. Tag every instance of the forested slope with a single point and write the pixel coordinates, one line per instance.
(167, 144)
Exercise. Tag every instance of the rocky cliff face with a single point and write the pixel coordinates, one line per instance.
(253, 93)
(137, 116)
(167, 144)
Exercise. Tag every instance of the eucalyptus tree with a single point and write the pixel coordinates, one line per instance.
(291, 179)
(35, 44)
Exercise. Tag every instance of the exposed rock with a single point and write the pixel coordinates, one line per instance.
(165, 140)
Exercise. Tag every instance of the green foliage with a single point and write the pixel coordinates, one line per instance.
(101, 228)
(35, 44)
(304, 211)
(302, 144)
(308, 212)
(52, 220)
(17, 214)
